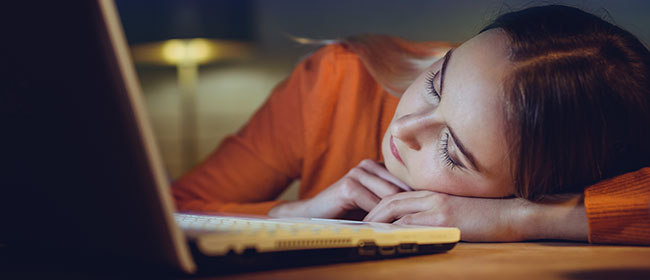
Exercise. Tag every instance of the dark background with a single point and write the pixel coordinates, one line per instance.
(266, 21)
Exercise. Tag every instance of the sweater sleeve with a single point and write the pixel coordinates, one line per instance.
(250, 169)
(618, 209)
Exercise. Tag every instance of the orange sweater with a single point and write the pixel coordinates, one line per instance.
(323, 120)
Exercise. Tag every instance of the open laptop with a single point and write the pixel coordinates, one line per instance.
(82, 175)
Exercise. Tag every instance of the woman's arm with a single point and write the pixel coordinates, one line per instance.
(487, 219)
(562, 217)
(251, 168)
(280, 143)
(613, 211)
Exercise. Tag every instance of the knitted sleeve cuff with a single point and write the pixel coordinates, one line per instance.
(618, 209)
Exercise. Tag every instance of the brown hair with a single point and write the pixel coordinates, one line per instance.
(577, 103)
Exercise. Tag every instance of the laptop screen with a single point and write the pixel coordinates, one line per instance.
(80, 170)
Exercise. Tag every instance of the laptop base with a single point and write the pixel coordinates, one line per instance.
(251, 260)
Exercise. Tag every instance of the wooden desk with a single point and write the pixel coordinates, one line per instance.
(528, 260)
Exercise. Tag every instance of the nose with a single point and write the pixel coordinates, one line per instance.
(413, 129)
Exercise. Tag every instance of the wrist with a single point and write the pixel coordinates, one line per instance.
(526, 220)
(560, 217)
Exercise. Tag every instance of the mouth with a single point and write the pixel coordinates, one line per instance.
(394, 151)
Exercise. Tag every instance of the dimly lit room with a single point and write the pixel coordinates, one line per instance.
(292, 139)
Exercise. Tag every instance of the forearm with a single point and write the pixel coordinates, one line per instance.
(562, 218)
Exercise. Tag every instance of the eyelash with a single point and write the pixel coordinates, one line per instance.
(444, 141)
(430, 88)
(444, 152)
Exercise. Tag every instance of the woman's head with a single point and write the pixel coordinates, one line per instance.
(448, 133)
(547, 100)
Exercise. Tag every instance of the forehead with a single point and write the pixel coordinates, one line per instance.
(473, 98)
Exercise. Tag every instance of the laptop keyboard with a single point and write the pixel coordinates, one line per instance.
(246, 226)
(219, 235)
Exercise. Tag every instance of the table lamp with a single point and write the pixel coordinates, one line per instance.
(187, 34)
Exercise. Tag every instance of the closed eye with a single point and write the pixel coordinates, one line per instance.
(430, 79)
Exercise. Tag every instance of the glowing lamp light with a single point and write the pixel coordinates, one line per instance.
(177, 51)
(190, 51)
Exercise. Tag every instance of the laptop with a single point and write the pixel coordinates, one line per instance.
(83, 178)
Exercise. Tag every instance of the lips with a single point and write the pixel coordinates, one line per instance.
(394, 150)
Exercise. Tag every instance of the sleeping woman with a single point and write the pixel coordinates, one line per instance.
(536, 128)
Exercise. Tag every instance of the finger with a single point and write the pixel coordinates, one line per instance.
(424, 218)
(377, 185)
(402, 195)
(396, 209)
(381, 171)
(359, 197)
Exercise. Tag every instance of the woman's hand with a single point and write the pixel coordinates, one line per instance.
(360, 189)
(487, 219)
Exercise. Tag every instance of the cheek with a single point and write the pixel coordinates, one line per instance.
(431, 175)
(445, 182)
(436, 178)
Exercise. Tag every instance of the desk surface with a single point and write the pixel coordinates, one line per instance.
(528, 260)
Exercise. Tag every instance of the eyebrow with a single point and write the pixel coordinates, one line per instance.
(444, 66)
(463, 150)
(457, 141)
